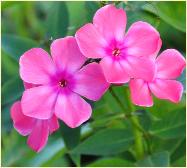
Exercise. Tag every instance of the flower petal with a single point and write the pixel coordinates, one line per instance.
(167, 89)
(39, 136)
(66, 54)
(111, 22)
(142, 39)
(53, 124)
(38, 102)
(72, 109)
(140, 93)
(170, 64)
(36, 66)
(23, 124)
(90, 41)
(29, 85)
(114, 72)
(90, 82)
(139, 67)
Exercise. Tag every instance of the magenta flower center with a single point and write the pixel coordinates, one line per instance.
(116, 52)
(63, 83)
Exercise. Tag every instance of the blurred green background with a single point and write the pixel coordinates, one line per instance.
(105, 140)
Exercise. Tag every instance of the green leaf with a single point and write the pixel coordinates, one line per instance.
(76, 18)
(170, 12)
(91, 8)
(106, 142)
(179, 151)
(160, 159)
(6, 5)
(15, 46)
(10, 67)
(57, 20)
(71, 138)
(182, 79)
(53, 147)
(111, 162)
(12, 90)
(170, 126)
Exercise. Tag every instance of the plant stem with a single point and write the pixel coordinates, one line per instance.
(137, 129)
(137, 132)
(117, 99)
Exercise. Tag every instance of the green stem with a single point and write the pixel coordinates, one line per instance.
(137, 132)
(117, 99)
(137, 129)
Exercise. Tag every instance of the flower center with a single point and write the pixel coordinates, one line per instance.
(116, 52)
(63, 83)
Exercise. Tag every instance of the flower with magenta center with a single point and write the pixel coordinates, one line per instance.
(127, 55)
(61, 81)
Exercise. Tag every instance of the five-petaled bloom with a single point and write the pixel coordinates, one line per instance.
(61, 81)
(169, 65)
(125, 54)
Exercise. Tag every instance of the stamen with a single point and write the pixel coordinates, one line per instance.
(116, 52)
(63, 83)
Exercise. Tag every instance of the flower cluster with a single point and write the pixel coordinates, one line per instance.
(56, 85)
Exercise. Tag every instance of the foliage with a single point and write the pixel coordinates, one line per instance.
(105, 140)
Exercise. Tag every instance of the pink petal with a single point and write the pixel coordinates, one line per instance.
(29, 85)
(36, 66)
(114, 72)
(39, 136)
(142, 39)
(38, 102)
(90, 82)
(139, 67)
(53, 124)
(167, 89)
(170, 64)
(72, 109)
(140, 93)
(66, 54)
(111, 22)
(154, 55)
(22, 123)
(90, 41)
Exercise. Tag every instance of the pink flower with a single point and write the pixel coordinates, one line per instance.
(37, 130)
(169, 65)
(61, 82)
(123, 55)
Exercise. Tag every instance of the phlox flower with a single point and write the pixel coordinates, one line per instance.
(61, 81)
(123, 55)
(169, 65)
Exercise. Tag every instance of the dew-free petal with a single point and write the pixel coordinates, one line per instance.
(140, 94)
(36, 66)
(139, 67)
(53, 124)
(170, 64)
(90, 82)
(39, 136)
(38, 102)
(91, 41)
(114, 72)
(23, 124)
(142, 39)
(66, 54)
(72, 109)
(167, 89)
(111, 22)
